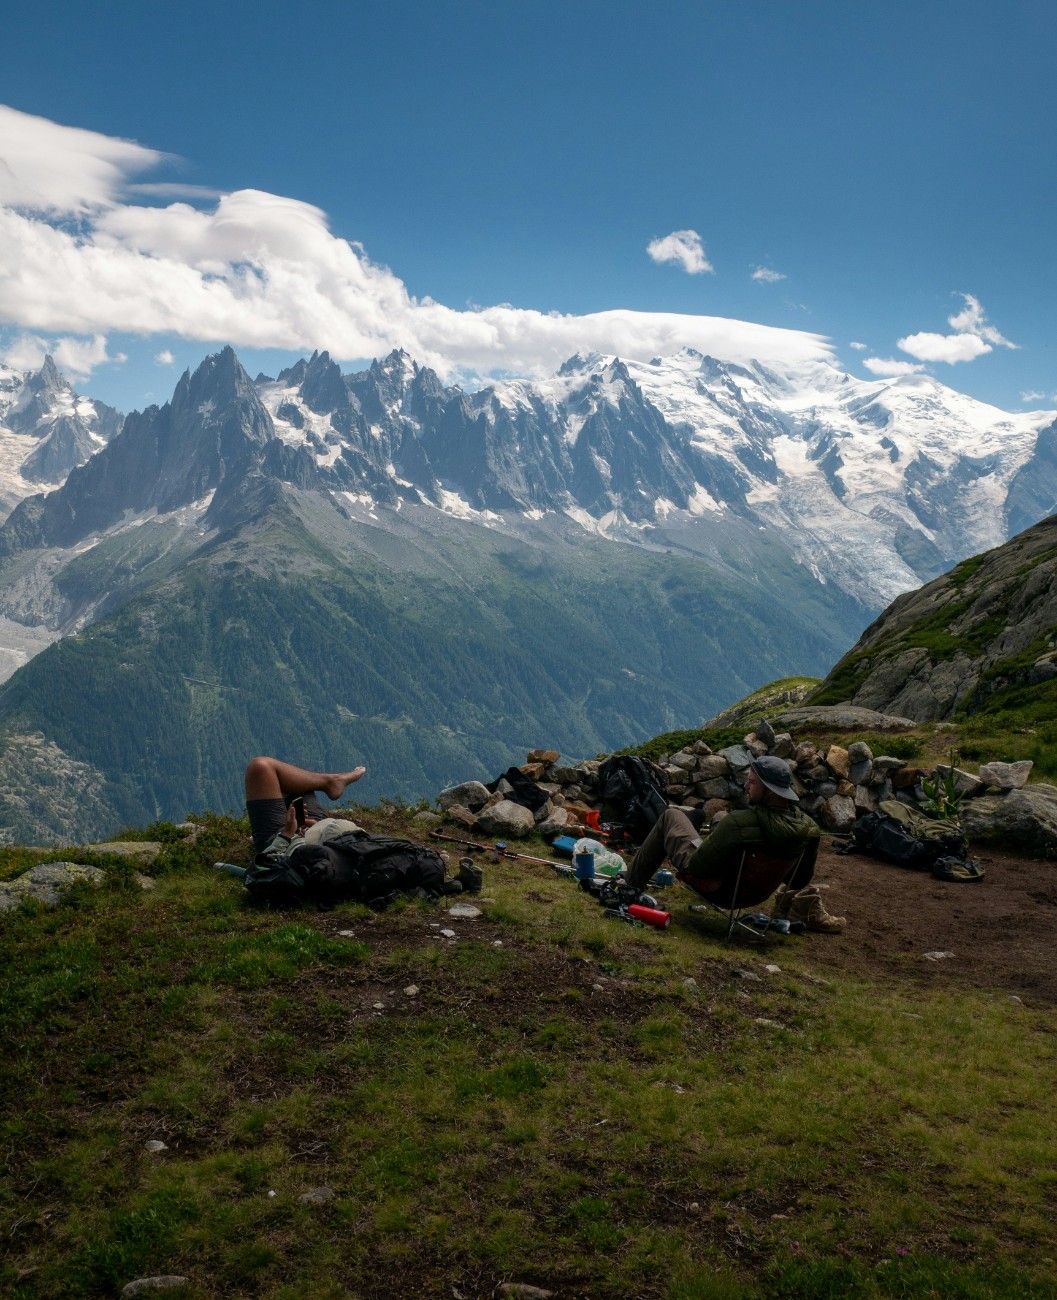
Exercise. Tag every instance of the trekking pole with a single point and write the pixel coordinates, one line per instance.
(500, 847)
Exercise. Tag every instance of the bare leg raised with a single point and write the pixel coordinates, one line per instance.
(271, 778)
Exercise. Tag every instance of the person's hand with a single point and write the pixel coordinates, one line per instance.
(290, 828)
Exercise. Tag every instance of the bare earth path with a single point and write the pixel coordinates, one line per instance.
(1001, 930)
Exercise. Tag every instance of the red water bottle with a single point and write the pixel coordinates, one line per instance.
(650, 916)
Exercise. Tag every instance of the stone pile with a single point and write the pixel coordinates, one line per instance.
(836, 784)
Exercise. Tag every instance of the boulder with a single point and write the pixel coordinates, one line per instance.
(756, 747)
(147, 1285)
(564, 775)
(543, 812)
(428, 819)
(964, 782)
(141, 851)
(846, 788)
(860, 772)
(737, 756)
(46, 882)
(544, 756)
(838, 813)
(859, 752)
(841, 717)
(534, 771)
(783, 747)
(765, 732)
(837, 760)
(461, 816)
(556, 823)
(885, 764)
(700, 748)
(506, 818)
(470, 794)
(1006, 776)
(906, 777)
(805, 753)
(1023, 819)
(718, 788)
(712, 765)
(684, 760)
(865, 799)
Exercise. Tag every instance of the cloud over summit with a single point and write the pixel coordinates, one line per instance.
(264, 270)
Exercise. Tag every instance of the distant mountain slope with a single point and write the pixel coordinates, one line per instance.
(428, 651)
(45, 430)
(980, 639)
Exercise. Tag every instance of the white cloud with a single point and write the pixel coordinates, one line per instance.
(972, 319)
(78, 357)
(859, 347)
(1034, 395)
(165, 357)
(764, 275)
(890, 367)
(973, 337)
(62, 169)
(261, 270)
(943, 347)
(684, 248)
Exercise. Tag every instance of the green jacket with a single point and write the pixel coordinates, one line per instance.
(785, 834)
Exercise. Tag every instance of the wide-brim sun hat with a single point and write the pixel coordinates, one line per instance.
(776, 775)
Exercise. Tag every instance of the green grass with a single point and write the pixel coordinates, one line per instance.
(557, 1107)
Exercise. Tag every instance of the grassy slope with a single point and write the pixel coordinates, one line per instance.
(562, 1109)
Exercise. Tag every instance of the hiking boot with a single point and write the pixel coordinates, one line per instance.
(471, 877)
(807, 906)
(782, 902)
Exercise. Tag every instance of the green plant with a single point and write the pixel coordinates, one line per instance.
(943, 796)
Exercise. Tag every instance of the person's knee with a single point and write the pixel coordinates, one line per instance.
(259, 766)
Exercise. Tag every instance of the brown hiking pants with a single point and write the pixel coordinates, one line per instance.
(673, 837)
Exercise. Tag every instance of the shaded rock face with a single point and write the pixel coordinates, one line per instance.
(963, 642)
(1026, 819)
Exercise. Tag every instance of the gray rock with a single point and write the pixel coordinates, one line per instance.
(885, 764)
(1006, 776)
(783, 746)
(155, 1146)
(317, 1195)
(144, 1285)
(428, 819)
(826, 789)
(838, 813)
(700, 748)
(805, 754)
(717, 789)
(556, 823)
(1023, 819)
(461, 816)
(470, 794)
(543, 812)
(142, 851)
(865, 799)
(464, 911)
(144, 882)
(522, 1291)
(964, 782)
(859, 773)
(45, 883)
(737, 756)
(684, 759)
(712, 765)
(765, 732)
(842, 717)
(859, 752)
(564, 775)
(756, 747)
(506, 818)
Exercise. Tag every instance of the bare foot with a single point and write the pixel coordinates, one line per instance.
(335, 786)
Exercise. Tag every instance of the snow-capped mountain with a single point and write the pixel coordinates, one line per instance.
(45, 430)
(876, 484)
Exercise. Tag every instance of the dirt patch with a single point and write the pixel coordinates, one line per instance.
(1000, 929)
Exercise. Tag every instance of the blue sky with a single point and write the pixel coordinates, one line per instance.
(884, 158)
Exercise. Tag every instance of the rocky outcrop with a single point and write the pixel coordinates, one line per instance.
(836, 785)
(962, 643)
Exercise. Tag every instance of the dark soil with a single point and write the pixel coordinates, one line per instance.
(1000, 930)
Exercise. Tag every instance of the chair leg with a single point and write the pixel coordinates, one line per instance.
(733, 915)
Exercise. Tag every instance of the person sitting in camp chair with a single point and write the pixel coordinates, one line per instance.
(772, 823)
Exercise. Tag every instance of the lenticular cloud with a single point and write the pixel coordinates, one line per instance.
(81, 252)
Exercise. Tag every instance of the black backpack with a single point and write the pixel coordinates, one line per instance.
(633, 794)
(369, 869)
(902, 835)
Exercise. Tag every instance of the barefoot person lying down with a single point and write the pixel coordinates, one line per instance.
(304, 855)
(281, 799)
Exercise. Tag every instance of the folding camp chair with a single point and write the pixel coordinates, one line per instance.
(757, 877)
